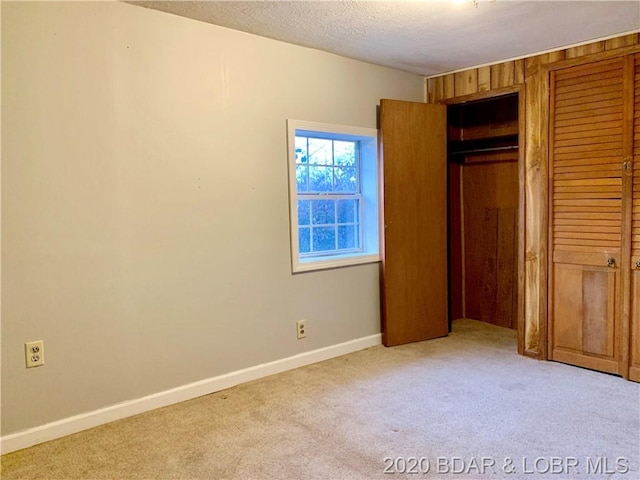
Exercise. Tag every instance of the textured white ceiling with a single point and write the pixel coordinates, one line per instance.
(425, 37)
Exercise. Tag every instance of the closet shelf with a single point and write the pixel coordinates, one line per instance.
(482, 146)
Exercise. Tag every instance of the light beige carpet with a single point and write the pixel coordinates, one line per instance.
(465, 407)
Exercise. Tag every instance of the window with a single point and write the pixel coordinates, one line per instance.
(333, 191)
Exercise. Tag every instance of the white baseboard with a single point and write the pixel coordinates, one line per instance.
(84, 421)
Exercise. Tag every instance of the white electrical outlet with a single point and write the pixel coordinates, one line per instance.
(34, 352)
(300, 328)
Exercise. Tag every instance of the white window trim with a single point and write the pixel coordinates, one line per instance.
(321, 262)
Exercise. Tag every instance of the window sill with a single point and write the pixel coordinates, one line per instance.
(334, 261)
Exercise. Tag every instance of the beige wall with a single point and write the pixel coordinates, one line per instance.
(145, 205)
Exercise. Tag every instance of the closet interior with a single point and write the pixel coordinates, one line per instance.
(483, 195)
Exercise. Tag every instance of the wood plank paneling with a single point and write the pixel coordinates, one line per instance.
(502, 75)
(490, 238)
(518, 73)
(480, 230)
(506, 295)
(449, 86)
(556, 56)
(484, 79)
(435, 89)
(619, 42)
(466, 82)
(583, 50)
(456, 251)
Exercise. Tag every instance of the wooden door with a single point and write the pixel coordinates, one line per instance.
(414, 242)
(587, 148)
(634, 353)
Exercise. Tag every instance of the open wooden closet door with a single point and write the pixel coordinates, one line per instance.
(414, 239)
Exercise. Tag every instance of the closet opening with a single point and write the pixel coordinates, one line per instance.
(483, 151)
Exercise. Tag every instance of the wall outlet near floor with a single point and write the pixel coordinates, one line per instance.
(301, 329)
(34, 353)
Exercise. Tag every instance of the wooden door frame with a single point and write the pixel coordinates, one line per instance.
(520, 91)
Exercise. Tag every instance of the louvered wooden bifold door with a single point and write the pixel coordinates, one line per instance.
(634, 367)
(588, 138)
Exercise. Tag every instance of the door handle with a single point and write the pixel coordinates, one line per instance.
(611, 262)
(638, 264)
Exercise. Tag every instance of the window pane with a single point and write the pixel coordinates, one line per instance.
(346, 179)
(347, 211)
(304, 240)
(324, 238)
(323, 211)
(320, 179)
(301, 150)
(304, 213)
(301, 178)
(320, 151)
(344, 153)
(347, 236)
